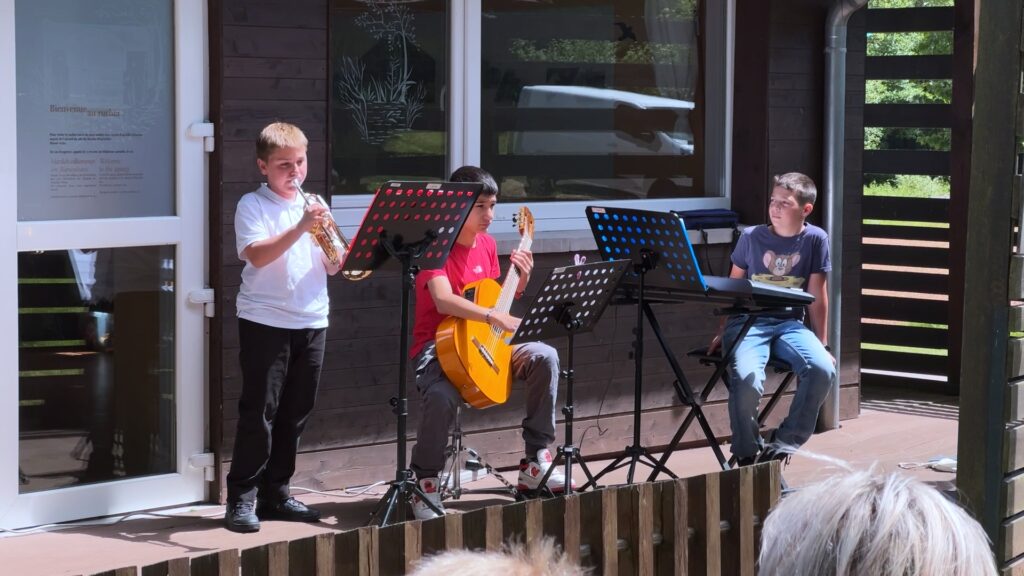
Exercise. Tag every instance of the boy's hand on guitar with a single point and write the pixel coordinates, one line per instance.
(504, 320)
(523, 260)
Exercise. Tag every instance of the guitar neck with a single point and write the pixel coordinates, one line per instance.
(508, 288)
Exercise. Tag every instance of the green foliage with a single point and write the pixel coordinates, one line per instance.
(908, 3)
(598, 52)
(910, 186)
(910, 43)
(908, 91)
(878, 138)
(681, 9)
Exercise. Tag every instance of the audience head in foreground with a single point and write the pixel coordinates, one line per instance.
(865, 523)
(539, 558)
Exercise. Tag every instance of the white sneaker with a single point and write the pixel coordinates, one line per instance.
(420, 509)
(531, 472)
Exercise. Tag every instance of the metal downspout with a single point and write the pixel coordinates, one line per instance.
(835, 115)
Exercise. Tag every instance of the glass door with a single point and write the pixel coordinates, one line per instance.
(102, 402)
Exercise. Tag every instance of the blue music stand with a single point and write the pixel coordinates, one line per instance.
(663, 259)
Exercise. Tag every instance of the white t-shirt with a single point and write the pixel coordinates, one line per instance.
(291, 291)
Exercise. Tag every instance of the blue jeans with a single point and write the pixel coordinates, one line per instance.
(790, 341)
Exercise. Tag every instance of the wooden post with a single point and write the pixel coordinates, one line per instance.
(984, 389)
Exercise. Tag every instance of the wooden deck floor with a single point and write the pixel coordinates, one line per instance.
(892, 430)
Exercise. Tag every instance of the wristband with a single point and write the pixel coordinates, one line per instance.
(487, 317)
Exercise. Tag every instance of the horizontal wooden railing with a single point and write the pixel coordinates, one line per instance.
(707, 524)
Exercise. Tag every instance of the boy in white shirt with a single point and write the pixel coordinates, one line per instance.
(282, 327)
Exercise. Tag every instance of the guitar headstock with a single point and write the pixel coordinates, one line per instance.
(524, 221)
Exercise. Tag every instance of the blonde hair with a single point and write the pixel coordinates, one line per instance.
(799, 184)
(279, 135)
(539, 558)
(865, 523)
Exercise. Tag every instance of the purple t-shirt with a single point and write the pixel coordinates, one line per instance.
(782, 261)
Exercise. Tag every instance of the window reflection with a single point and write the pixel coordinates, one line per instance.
(388, 82)
(592, 99)
(96, 365)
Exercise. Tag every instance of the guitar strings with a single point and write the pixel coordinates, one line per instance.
(504, 303)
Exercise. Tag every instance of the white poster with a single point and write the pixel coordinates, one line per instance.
(95, 84)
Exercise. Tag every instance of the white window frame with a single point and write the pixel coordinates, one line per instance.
(567, 220)
(187, 231)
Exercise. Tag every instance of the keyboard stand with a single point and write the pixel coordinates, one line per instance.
(695, 411)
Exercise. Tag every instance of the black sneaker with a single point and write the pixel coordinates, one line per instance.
(241, 517)
(289, 509)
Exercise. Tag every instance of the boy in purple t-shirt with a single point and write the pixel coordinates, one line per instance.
(788, 252)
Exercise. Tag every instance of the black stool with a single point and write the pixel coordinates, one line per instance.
(780, 367)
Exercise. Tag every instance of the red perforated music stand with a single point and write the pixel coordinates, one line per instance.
(410, 225)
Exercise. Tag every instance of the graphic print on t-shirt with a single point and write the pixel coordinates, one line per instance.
(779, 266)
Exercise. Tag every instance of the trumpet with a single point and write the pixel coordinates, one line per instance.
(329, 237)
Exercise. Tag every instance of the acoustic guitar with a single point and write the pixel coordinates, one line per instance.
(476, 356)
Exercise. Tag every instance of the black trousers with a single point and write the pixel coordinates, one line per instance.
(280, 375)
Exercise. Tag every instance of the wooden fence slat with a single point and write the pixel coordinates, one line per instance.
(513, 523)
(126, 571)
(904, 309)
(705, 519)
(905, 232)
(434, 535)
(922, 256)
(482, 529)
(767, 491)
(904, 335)
(312, 556)
(609, 534)
(737, 501)
(905, 209)
(905, 281)
(399, 548)
(644, 506)
(572, 528)
(904, 362)
(909, 19)
(627, 536)
(175, 567)
(223, 563)
(908, 115)
(356, 552)
(925, 162)
(670, 523)
(553, 522)
(908, 67)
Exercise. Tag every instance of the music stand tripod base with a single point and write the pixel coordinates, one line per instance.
(413, 224)
(570, 302)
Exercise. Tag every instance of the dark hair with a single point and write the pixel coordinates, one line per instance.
(799, 184)
(478, 175)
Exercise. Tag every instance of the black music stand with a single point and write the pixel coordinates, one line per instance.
(663, 258)
(414, 225)
(570, 302)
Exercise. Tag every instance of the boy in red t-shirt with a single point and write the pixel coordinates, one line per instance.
(438, 296)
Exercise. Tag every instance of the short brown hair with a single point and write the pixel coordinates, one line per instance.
(799, 184)
(279, 135)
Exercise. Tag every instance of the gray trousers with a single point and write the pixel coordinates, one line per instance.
(534, 363)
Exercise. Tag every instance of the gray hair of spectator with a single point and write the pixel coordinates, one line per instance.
(539, 558)
(799, 184)
(865, 523)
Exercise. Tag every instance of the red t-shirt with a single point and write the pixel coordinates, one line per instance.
(464, 265)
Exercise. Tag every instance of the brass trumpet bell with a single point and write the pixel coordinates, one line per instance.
(329, 236)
